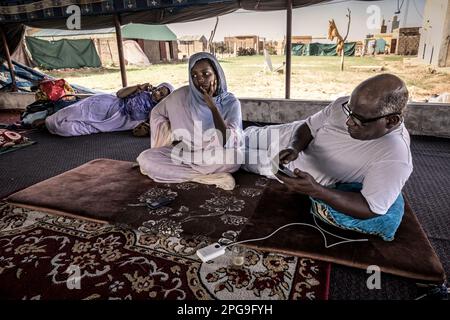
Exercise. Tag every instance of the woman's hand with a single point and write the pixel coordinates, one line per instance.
(219, 123)
(208, 94)
(125, 92)
(144, 87)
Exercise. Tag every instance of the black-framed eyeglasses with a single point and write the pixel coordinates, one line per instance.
(359, 120)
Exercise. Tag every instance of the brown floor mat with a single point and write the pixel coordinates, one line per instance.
(409, 255)
(117, 196)
(114, 191)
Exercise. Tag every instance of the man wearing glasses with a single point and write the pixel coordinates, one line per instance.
(358, 139)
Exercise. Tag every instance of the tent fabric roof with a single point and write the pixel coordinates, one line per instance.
(148, 32)
(130, 31)
(64, 33)
(99, 14)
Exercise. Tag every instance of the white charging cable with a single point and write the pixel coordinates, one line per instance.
(216, 250)
(322, 232)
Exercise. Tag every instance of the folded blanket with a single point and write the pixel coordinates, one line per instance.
(385, 225)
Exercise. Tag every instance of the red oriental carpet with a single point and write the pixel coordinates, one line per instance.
(53, 257)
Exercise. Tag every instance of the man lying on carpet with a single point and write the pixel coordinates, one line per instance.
(108, 112)
(197, 118)
(352, 158)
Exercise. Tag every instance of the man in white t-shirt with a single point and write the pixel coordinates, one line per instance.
(359, 139)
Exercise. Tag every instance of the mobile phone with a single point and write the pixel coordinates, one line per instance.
(160, 202)
(286, 171)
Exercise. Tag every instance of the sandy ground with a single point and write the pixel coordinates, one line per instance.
(317, 78)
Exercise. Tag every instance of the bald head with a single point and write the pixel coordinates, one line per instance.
(379, 100)
(382, 94)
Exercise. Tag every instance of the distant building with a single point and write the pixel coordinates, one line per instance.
(383, 28)
(359, 47)
(395, 23)
(295, 40)
(188, 45)
(407, 41)
(301, 39)
(403, 41)
(434, 47)
(245, 42)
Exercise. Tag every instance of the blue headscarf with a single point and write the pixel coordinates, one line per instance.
(226, 102)
(139, 104)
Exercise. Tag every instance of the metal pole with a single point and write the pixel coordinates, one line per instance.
(120, 49)
(288, 49)
(8, 59)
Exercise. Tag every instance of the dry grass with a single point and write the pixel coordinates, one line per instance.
(312, 77)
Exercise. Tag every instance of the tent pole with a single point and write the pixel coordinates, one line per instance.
(8, 59)
(288, 49)
(123, 73)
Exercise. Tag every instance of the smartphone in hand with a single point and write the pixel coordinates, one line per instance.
(286, 171)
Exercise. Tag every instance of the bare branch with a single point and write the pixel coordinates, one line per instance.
(349, 15)
(213, 33)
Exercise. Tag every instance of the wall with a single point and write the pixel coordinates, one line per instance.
(188, 48)
(434, 32)
(107, 50)
(301, 39)
(408, 40)
(444, 55)
(151, 50)
(174, 53)
(429, 119)
(19, 101)
(249, 42)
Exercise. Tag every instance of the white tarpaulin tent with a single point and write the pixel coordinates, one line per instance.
(134, 54)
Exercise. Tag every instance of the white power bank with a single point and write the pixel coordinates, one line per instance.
(210, 252)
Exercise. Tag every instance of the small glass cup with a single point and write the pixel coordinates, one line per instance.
(237, 256)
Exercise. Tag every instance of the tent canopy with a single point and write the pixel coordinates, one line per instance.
(130, 31)
(322, 49)
(63, 53)
(148, 32)
(64, 33)
(99, 13)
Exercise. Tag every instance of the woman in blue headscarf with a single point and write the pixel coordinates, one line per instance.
(108, 112)
(196, 131)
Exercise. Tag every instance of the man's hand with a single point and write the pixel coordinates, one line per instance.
(287, 155)
(351, 203)
(208, 94)
(304, 183)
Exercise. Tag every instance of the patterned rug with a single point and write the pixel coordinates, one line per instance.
(52, 257)
(112, 191)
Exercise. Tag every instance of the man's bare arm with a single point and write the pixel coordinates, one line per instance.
(300, 141)
(302, 137)
(351, 203)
